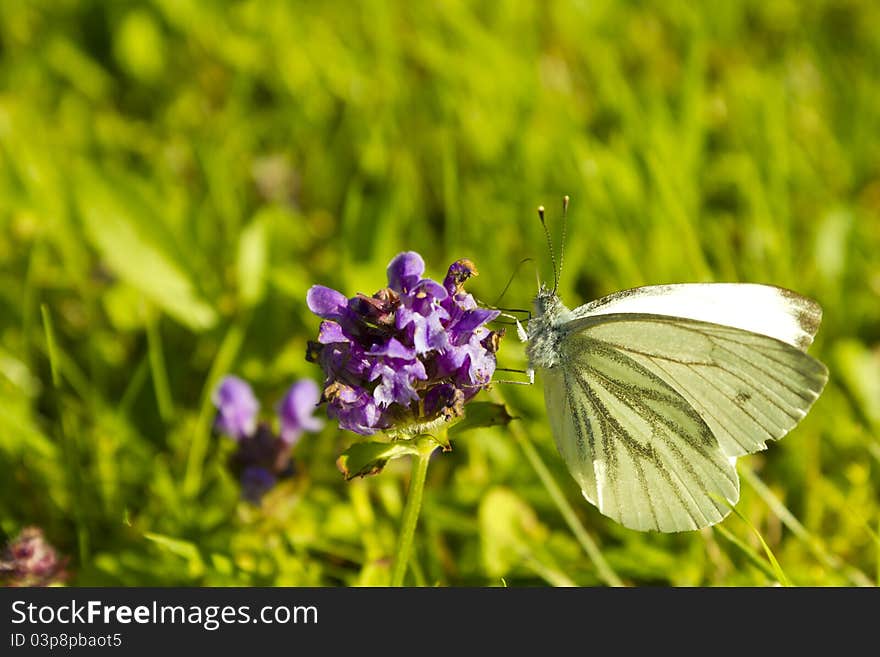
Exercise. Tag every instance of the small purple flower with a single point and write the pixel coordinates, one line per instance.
(263, 456)
(413, 352)
(237, 408)
(296, 409)
(29, 560)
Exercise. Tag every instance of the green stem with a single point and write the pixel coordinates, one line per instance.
(411, 511)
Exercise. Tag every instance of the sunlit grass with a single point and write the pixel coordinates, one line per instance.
(174, 176)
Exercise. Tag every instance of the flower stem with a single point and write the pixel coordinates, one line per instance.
(412, 508)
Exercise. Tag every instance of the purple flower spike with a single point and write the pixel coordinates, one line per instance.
(296, 409)
(263, 455)
(236, 408)
(412, 353)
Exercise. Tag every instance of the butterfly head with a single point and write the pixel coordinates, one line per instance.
(547, 303)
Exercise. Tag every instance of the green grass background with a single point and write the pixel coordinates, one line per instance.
(175, 174)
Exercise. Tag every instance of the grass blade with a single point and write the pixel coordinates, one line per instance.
(158, 371)
(778, 573)
(854, 575)
(199, 447)
(51, 347)
(68, 440)
(747, 551)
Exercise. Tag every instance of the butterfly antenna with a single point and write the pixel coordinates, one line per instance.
(510, 280)
(549, 246)
(562, 243)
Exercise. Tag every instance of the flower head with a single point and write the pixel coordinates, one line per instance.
(413, 352)
(29, 560)
(263, 455)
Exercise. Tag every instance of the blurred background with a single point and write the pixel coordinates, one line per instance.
(175, 174)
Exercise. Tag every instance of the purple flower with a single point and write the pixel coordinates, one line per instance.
(29, 560)
(263, 456)
(237, 408)
(296, 409)
(413, 352)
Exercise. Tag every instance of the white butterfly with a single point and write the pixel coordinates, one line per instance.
(654, 392)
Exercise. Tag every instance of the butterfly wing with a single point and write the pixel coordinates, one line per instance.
(763, 309)
(649, 409)
(748, 388)
(638, 449)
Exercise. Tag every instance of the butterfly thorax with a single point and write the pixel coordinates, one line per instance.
(545, 329)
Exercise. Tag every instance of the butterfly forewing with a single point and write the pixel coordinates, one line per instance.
(639, 450)
(763, 309)
(748, 388)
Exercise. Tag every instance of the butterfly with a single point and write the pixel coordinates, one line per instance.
(653, 392)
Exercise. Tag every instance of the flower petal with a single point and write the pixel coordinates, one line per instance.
(326, 302)
(355, 410)
(330, 333)
(393, 348)
(296, 410)
(237, 408)
(405, 271)
(472, 319)
(431, 288)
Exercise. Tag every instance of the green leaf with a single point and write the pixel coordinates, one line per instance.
(119, 228)
(482, 414)
(774, 564)
(184, 549)
(253, 256)
(368, 458)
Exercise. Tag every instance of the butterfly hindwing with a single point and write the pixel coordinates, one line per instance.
(639, 450)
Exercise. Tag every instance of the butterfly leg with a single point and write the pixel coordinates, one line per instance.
(530, 373)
